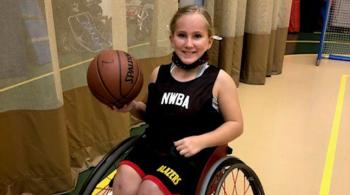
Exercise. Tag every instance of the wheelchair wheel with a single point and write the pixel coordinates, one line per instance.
(101, 178)
(230, 175)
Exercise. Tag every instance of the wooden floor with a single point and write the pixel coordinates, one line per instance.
(297, 128)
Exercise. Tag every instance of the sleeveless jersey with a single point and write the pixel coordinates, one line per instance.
(179, 109)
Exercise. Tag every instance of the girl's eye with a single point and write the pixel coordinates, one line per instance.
(181, 35)
(198, 36)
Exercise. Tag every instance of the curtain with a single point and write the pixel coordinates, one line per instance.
(254, 35)
(51, 127)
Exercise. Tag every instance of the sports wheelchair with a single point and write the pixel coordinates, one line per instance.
(223, 173)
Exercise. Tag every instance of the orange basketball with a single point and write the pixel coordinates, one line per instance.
(114, 78)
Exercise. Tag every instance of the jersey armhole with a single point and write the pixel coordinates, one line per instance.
(163, 73)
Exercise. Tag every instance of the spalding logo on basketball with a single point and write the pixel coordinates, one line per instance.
(114, 78)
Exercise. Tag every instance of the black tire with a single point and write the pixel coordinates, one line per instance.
(218, 174)
(107, 165)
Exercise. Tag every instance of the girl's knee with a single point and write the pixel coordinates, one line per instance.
(126, 181)
(149, 187)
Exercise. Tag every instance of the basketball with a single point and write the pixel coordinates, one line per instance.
(114, 78)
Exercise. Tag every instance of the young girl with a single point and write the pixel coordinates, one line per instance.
(191, 108)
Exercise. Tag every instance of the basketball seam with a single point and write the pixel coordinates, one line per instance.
(92, 89)
(120, 75)
(103, 83)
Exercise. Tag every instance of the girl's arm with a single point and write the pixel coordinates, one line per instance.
(225, 90)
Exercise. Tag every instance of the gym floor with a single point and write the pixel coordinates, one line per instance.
(297, 128)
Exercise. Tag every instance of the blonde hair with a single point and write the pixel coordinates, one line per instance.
(190, 9)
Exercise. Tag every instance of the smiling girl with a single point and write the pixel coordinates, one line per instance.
(192, 107)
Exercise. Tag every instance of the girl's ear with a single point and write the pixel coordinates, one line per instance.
(171, 39)
(211, 40)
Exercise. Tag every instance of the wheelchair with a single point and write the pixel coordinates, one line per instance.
(222, 174)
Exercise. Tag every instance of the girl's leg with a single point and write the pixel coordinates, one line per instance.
(127, 181)
(149, 187)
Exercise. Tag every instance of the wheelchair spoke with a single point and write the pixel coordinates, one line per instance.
(231, 181)
(104, 191)
(246, 187)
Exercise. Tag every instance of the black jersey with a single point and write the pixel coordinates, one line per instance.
(179, 109)
(175, 110)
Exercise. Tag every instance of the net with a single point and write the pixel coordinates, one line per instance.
(335, 36)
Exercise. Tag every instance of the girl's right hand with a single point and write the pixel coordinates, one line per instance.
(126, 108)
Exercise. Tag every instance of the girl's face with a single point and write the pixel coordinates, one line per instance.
(190, 39)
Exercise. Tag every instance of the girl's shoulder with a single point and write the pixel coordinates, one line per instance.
(223, 75)
(224, 82)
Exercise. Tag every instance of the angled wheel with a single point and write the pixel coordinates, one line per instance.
(100, 179)
(230, 175)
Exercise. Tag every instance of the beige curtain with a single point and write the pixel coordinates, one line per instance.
(254, 35)
(51, 127)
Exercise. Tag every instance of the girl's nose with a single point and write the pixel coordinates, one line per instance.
(189, 42)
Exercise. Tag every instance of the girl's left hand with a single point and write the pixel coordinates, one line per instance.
(188, 146)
